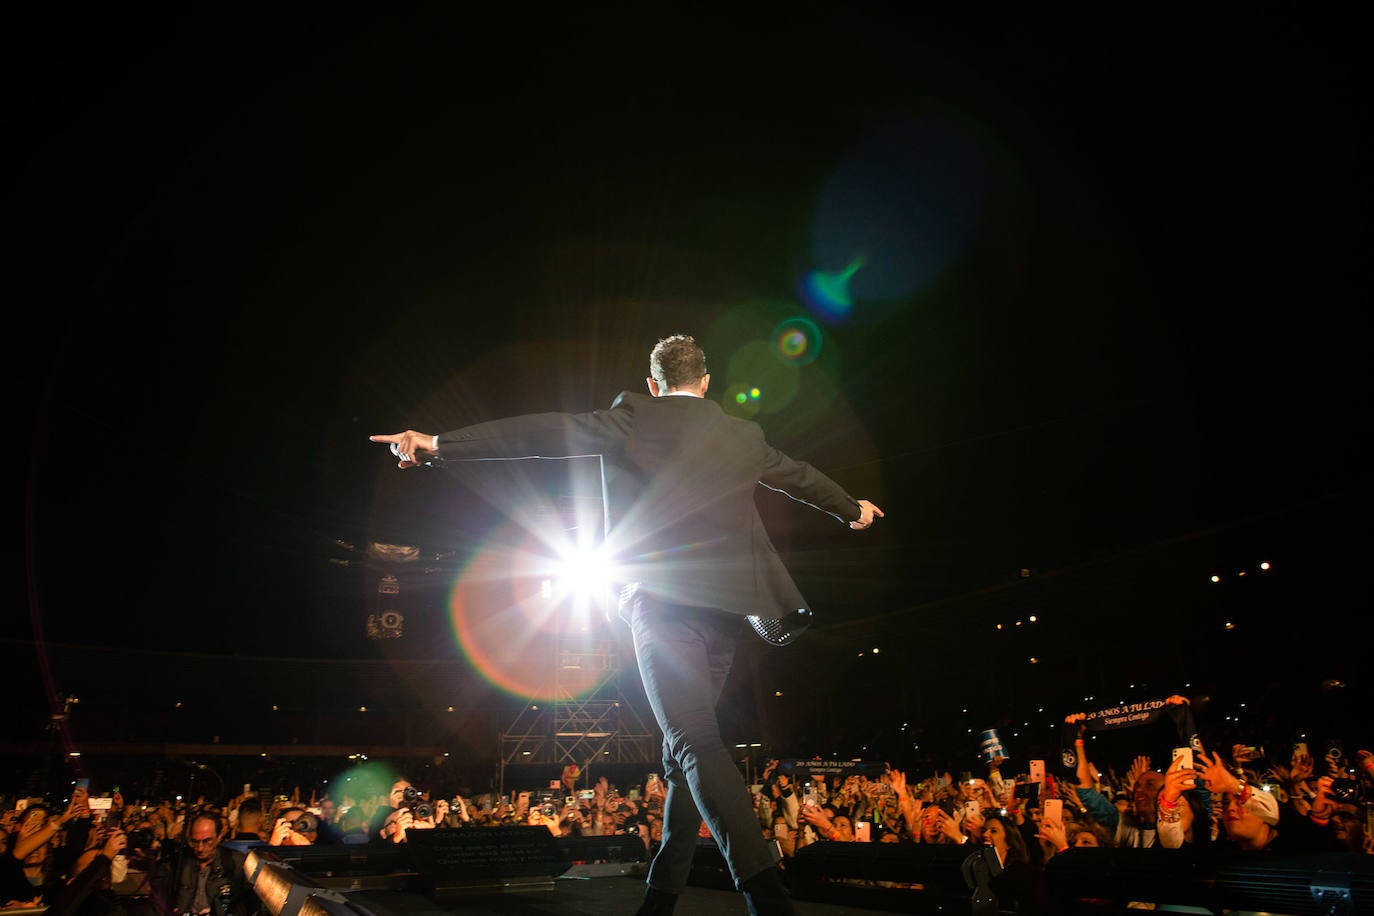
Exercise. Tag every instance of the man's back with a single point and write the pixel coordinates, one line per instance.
(683, 521)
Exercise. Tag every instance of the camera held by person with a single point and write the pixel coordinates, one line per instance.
(414, 799)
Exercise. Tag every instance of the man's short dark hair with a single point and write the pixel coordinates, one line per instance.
(676, 362)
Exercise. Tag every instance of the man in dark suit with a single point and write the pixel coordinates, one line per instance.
(688, 541)
(203, 878)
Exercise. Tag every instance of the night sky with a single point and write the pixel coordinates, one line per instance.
(1106, 321)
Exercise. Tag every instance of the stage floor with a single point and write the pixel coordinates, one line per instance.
(609, 896)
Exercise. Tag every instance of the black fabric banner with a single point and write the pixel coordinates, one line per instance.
(873, 769)
(1130, 715)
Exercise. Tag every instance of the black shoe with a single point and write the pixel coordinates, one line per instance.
(766, 894)
(656, 903)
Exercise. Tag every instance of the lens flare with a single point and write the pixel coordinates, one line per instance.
(768, 383)
(903, 203)
(513, 605)
(797, 341)
(828, 292)
(737, 402)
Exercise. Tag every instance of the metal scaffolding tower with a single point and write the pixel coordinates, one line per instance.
(589, 722)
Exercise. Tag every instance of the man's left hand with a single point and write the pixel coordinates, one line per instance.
(867, 512)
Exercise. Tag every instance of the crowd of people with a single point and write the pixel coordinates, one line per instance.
(75, 853)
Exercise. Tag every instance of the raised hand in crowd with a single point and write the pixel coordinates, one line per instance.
(1139, 767)
(1177, 780)
(946, 826)
(1334, 760)
(819, 820)
(283, 834)
(1051, 830)
(116, 841)
(972, 823)
(1071, 797)
(398, 822)
(1174, 819)
(897, 779)
(1324, 803)
(1218, 779)
(1243, 754)
(539, 818)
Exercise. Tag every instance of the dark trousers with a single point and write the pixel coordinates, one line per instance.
(684, 656)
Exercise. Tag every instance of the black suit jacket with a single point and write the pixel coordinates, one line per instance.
(680, 476)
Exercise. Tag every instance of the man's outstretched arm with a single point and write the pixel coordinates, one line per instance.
(410, 447)
(542, 435)
(804, 483)
(868, 512)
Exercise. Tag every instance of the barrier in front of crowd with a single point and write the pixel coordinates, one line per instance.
(920, 878)
(441, 864)
(914, 878)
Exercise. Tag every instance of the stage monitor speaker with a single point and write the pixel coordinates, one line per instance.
(935, 866)
(909, 878)
(604, 856)
(340, 860)
(486, 860)
(1216, 877)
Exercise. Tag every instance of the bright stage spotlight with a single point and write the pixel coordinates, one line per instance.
(584, 578)
(582, 572)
